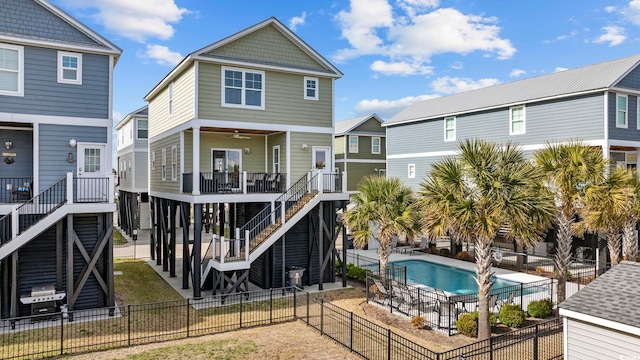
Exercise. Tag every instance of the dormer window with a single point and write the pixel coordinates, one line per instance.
(69, 68)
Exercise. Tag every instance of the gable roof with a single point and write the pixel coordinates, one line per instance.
(206, 54)
(591, 78)
(142, 112)
(344, 126)
(612, 296)
(60, 31)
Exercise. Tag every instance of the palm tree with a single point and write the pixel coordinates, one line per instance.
(629, 243)
(568, 169)
(604, 207)
(474, 195)
(383, 208)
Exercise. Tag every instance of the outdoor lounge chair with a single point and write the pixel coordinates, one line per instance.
(447, 310)
(507, 301)
(493, 302)
(386, 293)
(424, 243)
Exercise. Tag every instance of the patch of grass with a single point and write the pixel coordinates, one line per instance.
(140, 284)
(118, 238)
(221, 349)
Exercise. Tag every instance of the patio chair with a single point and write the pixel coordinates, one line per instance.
(424, 243)
(256, 182)
(272, 183)
(493, 302)
(507, 301)
(405, 297)
(386, 294)
(447, 310)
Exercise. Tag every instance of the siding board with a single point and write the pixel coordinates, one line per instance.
(591, 342)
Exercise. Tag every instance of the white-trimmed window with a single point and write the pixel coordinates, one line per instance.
(174, 163)
(517, 120)
(129, 166)
(143, 129)
(450, 128)
(164, 164)
(170, 99)
(69, 68)
(276, 159)
(310, 88)
(353, 144)
(11, 70)
(121, 136)
(242, 88)
(375, 145)
(153, 160)
(621, 111)
(411, 171)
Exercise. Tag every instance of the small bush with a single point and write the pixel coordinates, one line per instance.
(511, 315)
(467, 324)
(357, 273)
(419, 322)
(540, 308)
(462, 255)
(444, 252)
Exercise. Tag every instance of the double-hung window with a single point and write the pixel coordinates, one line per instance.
(621, 113)
(310, 88)
(375, 145)
(143, 129)
(450, 129)
(353, 144)
(11, 70)
(164, 164)
(170, 99)
(69, 68)
(174, 163)
(517, 120)
(242, 88)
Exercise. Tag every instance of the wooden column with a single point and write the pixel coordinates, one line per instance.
(185, 210)
(69, 291)
(320, 244)
(173, 207)
(111, 297)
(197, 243)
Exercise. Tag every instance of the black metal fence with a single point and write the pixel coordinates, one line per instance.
(15, 189)
(91, 189)
(108, 328)
(542, 341)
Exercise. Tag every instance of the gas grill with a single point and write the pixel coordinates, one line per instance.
(43, 299)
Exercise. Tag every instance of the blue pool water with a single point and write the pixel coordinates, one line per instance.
(447, 278)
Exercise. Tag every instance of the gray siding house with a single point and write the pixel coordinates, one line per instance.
(597, 104)
(56, 197)
(360, 148)
(241, 136)
(602, 320)
(132, 171)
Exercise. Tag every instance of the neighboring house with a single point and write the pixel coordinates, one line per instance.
(239, 133)
(133, 167)
(360, 147)
(602, 321)
(56, 185)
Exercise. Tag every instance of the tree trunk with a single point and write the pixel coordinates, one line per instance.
(483, 273)
(383, 252)
(629, 243)
(563, 253)
(613, 243)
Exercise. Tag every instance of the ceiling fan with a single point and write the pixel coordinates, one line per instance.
(237, 135)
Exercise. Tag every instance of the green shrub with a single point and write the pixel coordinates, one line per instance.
(444, 252)
(512, 315)
(540, 308)
(357, 273)
(467, 324)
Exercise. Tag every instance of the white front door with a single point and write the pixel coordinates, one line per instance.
(321, 160)
(92, 182)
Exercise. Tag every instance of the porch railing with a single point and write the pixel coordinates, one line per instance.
(15, 189)
(91, 190)
(236, 183)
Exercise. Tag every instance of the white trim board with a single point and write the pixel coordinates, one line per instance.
(57, 120)
(614, 325)
(363, 161)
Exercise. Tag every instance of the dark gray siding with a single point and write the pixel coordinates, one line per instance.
(37, 265)
(54, 147)
(86, 227)
(631, 132)
(632, 80)
(27, 18)
(43, 95)
(575, 118)
(23, 148)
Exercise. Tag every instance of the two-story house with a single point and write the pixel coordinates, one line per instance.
(56, 187)
(240, 136)
(132, 171)
(597, 104)
(360, 148)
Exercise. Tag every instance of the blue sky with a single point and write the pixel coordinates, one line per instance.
(392, 52)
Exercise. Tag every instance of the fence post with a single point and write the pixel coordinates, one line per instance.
(521, 295)
(321, 316)
(61, 334)
(240, 294)
(295, 305)
(389, 344)
(188, 317)
(551, 290)
(271, 306)
(351, 331)
(366, 288)
(307, 308)
(129, 325)
(490, 347)
(535, 344)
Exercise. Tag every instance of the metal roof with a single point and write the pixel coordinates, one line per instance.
(613, 296)
(574, 81)
(344, 126)
(141, 112)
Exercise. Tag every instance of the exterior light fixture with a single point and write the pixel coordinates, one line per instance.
(305, 146)
(73, 142)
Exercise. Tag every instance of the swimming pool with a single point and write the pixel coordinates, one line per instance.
(447, 278)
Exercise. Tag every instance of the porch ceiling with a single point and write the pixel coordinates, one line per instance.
(239, 131)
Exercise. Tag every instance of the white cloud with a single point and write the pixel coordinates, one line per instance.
(632, 12)
(567, 36)
(161, 55)
(452, 85)
(560, 69)
(388, 108)
(137, 20)
(297, 21)
(610, 9)
(456, 65)
(401, 68)
(516, 73)
(614, 35)
(414, 32)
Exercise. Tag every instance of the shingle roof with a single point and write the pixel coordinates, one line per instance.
(143, 111)
(344, 126)
(588, 78)
(612, 296)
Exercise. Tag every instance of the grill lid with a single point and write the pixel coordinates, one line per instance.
(43, 290)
